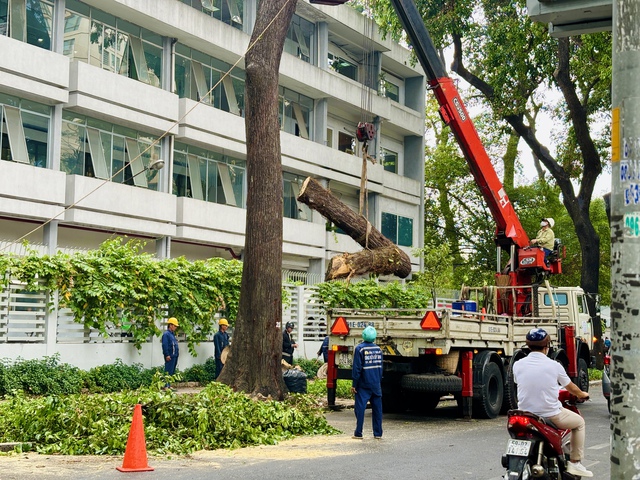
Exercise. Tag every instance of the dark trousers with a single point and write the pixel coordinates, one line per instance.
(170, 366)
(363, 396)
(219, 366)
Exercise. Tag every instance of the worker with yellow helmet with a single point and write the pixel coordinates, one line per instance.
(170, 348)
(220, 342)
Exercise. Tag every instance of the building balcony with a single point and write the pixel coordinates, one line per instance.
(33, 73)
(107, 96)
(22, 193)
(120, 208)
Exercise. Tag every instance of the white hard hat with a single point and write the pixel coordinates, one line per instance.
(550, 221)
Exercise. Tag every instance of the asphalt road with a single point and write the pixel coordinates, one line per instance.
(439, 446)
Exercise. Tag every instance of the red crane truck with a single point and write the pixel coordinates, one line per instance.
(458, 350)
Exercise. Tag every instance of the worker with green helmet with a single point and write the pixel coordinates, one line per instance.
(220, 342)
(170, 348)
(366, 384)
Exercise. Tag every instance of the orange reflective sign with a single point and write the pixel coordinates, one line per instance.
(430, 321)
(340, 327)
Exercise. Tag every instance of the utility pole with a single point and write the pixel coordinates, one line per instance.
(625, 241)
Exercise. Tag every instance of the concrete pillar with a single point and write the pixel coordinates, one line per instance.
(625, 241)
(320, 111)
(322, 36)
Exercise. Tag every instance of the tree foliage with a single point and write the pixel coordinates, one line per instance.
(119, 284)
(519, 70)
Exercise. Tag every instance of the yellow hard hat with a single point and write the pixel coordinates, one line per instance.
(223, 321)
(173, 321)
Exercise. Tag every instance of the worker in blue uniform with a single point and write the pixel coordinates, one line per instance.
(366, 385)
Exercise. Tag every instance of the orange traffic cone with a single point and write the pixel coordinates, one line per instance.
(135, 455)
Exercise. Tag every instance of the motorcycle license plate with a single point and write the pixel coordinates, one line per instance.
(519, 448)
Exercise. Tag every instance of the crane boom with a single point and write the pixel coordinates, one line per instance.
(509, 230)
(528, 265)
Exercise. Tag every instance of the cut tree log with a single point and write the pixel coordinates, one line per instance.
(381, 256)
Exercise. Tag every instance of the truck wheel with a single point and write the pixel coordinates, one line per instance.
(489, 400)
(583, 375)
(510, 401)
(432, 383)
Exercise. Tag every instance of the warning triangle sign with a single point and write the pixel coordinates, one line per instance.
(340, 327)
(430, 321)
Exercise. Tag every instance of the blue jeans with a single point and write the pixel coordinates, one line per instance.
(363, 396)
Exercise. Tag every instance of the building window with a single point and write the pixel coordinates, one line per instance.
(397, 229)
(208, 176)
(293, 208)
(389, 160)
(230, 12)
(113, 44)
(94, 148)
(24, 131)
(28, 21)
(294, 112)
(300, 38)
(198, 77)
(391, 87)
(346, 143)
(343, 66)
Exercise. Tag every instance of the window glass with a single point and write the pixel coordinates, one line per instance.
(28, 21)
(397, 229)
(39, 23)
(343, 66)
(561, 299)
(389, 160)
(4, 17)
(36, 131)
(405, 231)
(91, 146)
(208, 176)
(390, 90)
(346, 143)
(112, 44)
(389, 227)
(292, 208)
(299, 37)
(230, 12)
(24, 131)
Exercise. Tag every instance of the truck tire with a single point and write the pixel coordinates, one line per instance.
(583, 375)
(510, 401)
(432, 383)
(487, 399)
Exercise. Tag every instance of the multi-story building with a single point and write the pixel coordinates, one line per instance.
(93, 93)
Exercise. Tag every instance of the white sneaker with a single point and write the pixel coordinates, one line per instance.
(578, 469)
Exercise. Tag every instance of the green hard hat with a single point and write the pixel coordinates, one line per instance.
(369, 334)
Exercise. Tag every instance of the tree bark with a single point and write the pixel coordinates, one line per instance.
(253, 363)
(381, 256)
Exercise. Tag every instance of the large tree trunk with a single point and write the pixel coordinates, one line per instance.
(380, 256)
(253, 364)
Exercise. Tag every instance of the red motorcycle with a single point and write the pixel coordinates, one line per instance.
(537, 448)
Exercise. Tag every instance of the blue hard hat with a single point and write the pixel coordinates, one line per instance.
(369, 334)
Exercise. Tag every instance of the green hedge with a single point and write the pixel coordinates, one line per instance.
(47, 376)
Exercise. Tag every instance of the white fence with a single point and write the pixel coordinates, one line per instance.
(28, 329)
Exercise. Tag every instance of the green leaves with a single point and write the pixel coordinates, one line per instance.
(119, 284)
(370, 294)
(180, 424)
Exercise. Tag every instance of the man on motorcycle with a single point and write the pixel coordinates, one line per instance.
(538, 378)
